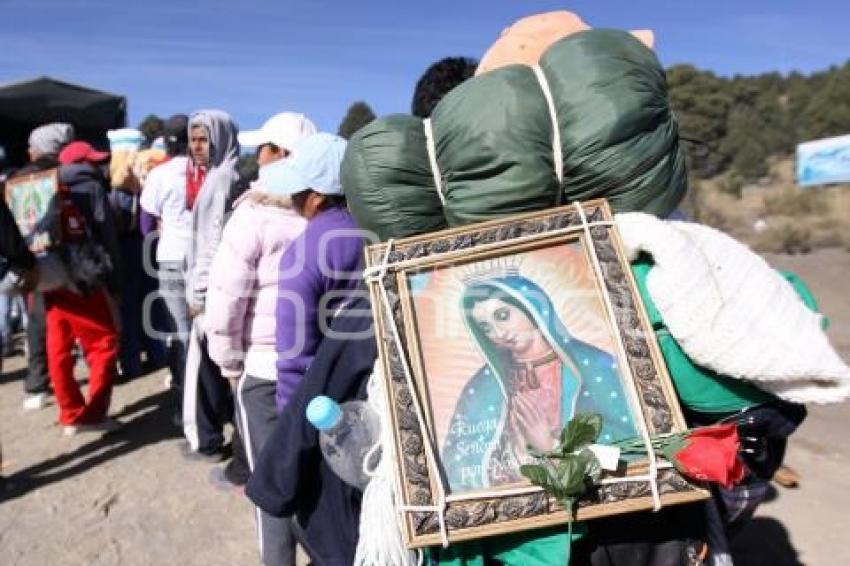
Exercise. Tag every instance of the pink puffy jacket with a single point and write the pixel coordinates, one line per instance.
(240, 307)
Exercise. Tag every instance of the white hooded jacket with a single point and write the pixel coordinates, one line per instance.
(221, 187)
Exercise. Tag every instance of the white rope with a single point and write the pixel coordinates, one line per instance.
(652, 477)
(432, 158)
(377, 276)
(557, 152)
(381, 541)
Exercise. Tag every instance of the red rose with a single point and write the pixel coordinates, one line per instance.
(711, 454)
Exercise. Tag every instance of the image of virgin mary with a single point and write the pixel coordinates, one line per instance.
(535, 378)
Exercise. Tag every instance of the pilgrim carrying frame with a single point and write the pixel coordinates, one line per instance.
(431, 517)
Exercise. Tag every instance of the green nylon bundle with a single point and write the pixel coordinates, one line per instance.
(493, 143)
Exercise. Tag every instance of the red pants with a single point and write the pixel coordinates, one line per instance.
(88, 319)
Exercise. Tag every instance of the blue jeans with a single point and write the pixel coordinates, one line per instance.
(8, 303)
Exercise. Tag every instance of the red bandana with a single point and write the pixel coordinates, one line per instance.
(195, 176)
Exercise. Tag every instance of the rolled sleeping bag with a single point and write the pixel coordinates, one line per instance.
(493, 142)
(619, 137)
(388, 180)
(494, 146)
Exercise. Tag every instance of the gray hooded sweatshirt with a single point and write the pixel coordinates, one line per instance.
(220, 188)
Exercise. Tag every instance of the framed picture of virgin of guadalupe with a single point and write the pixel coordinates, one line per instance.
(32, 201)
(491, 338)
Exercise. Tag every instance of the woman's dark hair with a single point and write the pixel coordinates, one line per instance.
(331, 201)
(480, 293)
(440, 78)
(176, 135)
(176, 147)
(274, 147)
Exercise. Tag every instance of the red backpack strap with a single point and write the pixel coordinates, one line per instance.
(73, 223)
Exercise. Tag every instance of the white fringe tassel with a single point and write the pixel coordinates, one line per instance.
(381, 541)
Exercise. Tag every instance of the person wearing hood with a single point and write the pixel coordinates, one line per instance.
(83, 310)
(45, 143)
(240, 322)
(212, 186)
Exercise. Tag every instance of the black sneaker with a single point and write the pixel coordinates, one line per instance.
(237, 472)
(213, 457)
(218, 478)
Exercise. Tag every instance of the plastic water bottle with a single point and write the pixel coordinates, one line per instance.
(347, 433)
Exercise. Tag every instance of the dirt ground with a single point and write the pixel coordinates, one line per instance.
(808, 525)
(130, 498)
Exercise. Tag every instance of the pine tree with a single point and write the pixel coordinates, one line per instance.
(151, 128)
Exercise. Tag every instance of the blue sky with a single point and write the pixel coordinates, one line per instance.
(254, 58)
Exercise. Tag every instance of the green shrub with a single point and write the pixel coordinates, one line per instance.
(784, 236)
(796, 203)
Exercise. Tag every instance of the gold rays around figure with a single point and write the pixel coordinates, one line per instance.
(490, 268)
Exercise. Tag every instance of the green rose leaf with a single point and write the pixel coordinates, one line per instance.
(582, 430)
(566, 472)
(537, 475)
(570, 473)
(592, 468)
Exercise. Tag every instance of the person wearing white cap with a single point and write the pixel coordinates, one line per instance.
(240, 328)
(315, 274)
(278, 136)
(322, 264)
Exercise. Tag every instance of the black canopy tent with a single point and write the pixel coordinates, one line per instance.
(26, 105)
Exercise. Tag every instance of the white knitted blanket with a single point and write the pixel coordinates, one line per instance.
(731, 312)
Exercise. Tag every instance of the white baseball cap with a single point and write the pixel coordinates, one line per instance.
(315, 164)
(284, 130)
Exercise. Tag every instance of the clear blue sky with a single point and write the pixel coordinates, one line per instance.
(254, 58)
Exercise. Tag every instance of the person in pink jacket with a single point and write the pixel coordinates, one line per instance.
(240, 327)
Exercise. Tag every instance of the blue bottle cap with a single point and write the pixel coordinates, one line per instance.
(323, 412)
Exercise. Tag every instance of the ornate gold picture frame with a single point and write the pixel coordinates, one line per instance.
(493, 335)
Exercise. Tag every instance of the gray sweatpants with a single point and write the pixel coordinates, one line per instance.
(257, 414)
